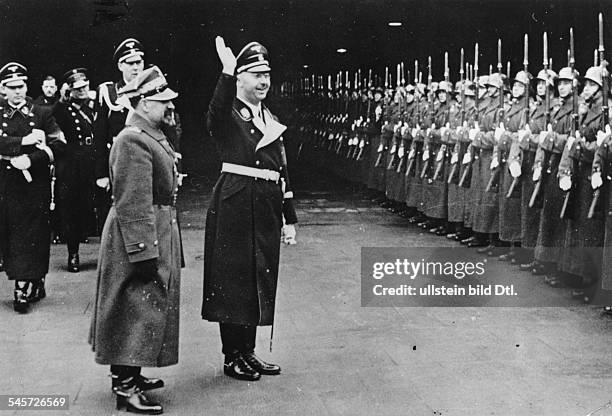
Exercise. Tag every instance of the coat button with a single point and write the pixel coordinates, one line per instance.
(257, 162)
(252, 131)
(173, 221)
(155, 242)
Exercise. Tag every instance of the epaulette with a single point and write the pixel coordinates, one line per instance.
(105, 97)
(134, 129)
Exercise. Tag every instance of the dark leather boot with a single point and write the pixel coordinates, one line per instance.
(236, 367)
(20, 303)
(38, 291)
(131, 398)
(261, 366)
(73, 263)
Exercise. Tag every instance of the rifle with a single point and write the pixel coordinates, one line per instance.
(497, 170)
(431, 116)
(604, 105)
(417, 115)
(462, 95)
(565, 207)
(467, 173)
(546, 161)
(368, 121)
(442, 151)
(515, 181)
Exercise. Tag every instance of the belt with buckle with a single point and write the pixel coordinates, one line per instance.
(266, 174)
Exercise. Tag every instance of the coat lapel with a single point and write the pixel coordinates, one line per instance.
(272, 130)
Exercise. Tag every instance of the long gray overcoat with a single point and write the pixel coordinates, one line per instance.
(136, 320)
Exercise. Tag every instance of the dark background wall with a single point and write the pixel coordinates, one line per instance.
(52, 36)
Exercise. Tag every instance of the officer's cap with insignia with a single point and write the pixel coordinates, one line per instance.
(128, 51)
(150, 84)
(76, 78)
(253, 58)
(13, 74)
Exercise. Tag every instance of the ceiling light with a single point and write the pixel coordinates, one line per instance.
(395, 24)
(341, 50)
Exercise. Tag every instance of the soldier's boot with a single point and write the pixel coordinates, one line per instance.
(37, 291)
(20, 302)
(73, 263)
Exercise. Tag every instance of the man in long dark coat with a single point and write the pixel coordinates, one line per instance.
(245, 217)
(30, 140)
(75, 173)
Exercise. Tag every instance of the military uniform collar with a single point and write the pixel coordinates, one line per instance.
(137, 121)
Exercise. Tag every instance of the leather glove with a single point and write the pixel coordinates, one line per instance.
(537, 173)
(565, 183)
(103, 183)
(289, 234)
(22, 162)
(515, 169)
(596, 181)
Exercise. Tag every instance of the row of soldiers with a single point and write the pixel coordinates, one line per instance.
(54, 157)
(485, 162)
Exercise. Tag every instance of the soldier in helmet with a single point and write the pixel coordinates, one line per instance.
(550, 141)
(507, 133)
(471, 166)
(414, 161)
(459, 208)
(438, 144)
(486, 206)
(580, 261)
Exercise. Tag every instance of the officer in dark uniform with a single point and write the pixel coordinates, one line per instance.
(129, 56)
(75, 172)
(30, 141)
(49, 96)
(250, 202)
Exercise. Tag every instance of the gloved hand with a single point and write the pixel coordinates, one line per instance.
(103, 183)
(22, 162)
(289, 234)
(596, 181)
(146, 270)
(537, 173)
(565, 183)
(515, 169)
(37, 136)
(494, 163)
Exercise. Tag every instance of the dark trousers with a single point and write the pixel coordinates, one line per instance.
(237, 339)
